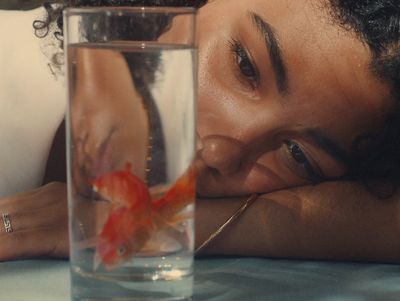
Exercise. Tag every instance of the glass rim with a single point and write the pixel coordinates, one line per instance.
(183, 10)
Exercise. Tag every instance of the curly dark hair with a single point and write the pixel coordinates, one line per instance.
(54, 14)
(375, 157)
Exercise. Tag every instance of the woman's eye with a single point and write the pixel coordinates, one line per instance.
(296, 152)
(246, 66)
(300, 158)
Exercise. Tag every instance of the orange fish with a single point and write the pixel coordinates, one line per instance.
(176, 198)
(124, 234)
(134, 217)
(123, 188)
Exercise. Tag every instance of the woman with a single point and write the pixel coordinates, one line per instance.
(279, 110)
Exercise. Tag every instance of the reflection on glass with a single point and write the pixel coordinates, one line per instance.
(131, 145)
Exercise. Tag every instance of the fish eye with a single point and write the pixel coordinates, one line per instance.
(121, 251)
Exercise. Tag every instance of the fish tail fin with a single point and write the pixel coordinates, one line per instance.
(178, 196)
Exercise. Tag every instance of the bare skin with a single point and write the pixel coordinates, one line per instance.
(334, 221)
(97, 128)
(251, 115)
(39, 220)
(242, 132)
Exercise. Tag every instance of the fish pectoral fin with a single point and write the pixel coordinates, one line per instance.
(97, 261)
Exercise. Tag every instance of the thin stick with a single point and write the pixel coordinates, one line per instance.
(231, 219)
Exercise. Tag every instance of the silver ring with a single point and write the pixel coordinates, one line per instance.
(7, 222)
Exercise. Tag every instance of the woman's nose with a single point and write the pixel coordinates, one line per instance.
(222, 153)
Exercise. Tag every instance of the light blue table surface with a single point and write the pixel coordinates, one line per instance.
(223, 279)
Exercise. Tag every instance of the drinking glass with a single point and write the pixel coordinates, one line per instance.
(131, 85)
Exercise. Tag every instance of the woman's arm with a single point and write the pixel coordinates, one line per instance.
(334, 221)
(39, 223)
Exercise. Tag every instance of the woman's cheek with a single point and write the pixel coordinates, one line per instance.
(269, 174)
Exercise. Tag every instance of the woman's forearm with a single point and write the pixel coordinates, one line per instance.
(339, 221)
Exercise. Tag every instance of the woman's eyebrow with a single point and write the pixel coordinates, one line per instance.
(274, 52)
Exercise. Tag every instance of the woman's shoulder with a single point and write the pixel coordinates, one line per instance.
(26, 61)
(32, 99)
(30, 49)
(17, 25)
(29, 77)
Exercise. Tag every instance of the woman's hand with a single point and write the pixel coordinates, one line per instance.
(109, 125)
(39, 222)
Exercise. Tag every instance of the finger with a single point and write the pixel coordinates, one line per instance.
(53, 214)
(35, 223)
(7, 223)
(30, 243)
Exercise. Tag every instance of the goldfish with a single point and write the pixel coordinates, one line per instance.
(176, 198)
(123, 188)
(134, 216)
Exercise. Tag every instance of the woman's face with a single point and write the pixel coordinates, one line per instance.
(283, 92)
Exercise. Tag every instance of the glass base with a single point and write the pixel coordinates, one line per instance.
(95, 290)
(142, 282)
(80, 298)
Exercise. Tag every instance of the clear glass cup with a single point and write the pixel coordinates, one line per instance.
(131, 75)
